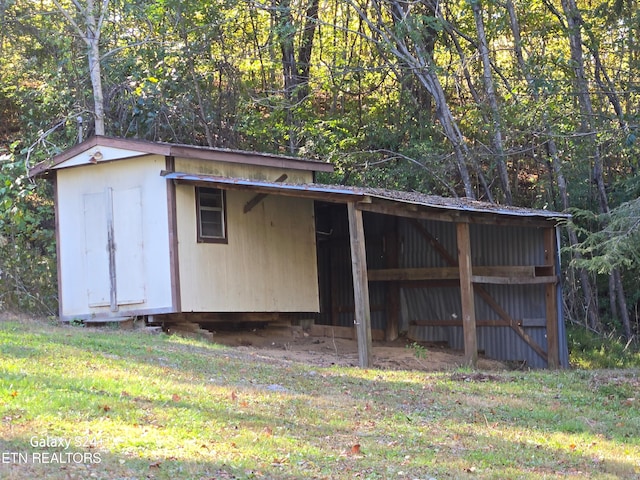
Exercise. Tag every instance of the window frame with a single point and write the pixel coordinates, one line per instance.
(223, 213)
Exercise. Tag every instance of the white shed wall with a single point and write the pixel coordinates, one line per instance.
(141, 234)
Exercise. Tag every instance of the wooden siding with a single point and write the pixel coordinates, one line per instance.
(252, 172)
(268, 264)
(141, 257)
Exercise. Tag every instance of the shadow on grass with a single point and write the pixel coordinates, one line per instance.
(429, 425)
(498, 459)
(21, 461)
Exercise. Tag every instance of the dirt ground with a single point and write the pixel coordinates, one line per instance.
(295, 345)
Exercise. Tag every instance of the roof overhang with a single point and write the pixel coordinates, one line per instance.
(100, 149)
(390, 202)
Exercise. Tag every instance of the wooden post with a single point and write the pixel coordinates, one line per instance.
(360, 285)
(466, 295)
(551, 300)
(392, 288)
(174, 262)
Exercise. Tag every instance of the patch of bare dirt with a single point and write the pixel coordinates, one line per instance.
(293, 344)
(475, 377)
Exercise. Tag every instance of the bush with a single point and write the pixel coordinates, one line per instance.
(27, 242)
(591, 350)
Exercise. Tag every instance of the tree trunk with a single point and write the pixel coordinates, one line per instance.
(420, 63)
(305, 50)
(91, 36)
(295, 72)
(286, 30)
(3, 9)
(476, 98)
(556, 168)
(493, 104)
(92, 39)
(574, 25)
(202, 113)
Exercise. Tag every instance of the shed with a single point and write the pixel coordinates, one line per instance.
(174, 231)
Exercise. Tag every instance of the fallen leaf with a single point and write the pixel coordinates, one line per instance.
(355, 450)
(155, 465)
(268, 431)
(14, 394)
(572, 446)
(105, 407)
(175, 397)
(234, 397)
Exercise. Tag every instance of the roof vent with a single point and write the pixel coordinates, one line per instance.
(96, 157)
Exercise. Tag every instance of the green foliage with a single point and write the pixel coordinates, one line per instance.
(420, 351)
(27, 246)
(204, 72)
(590, 350)
(614, 242)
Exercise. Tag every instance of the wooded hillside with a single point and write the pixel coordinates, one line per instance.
(532, 103)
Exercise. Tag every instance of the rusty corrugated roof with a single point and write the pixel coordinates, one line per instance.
(345, 193)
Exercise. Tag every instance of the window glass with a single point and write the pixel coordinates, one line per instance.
(211, 215)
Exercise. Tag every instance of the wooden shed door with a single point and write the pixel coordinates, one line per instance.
(114, 248)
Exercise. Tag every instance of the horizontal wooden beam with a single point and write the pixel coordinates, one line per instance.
(458, 323)
(510, 280)
(409, 210)
(342, 332)
(521, 275)
(448, 214)
(400, 274)
(453, 283)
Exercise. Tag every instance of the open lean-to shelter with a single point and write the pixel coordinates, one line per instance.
(173, 232)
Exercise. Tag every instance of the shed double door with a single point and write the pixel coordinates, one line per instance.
(114, 248)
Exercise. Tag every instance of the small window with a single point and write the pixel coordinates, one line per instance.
(211, 209)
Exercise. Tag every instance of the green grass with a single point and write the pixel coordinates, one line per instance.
(153, 406)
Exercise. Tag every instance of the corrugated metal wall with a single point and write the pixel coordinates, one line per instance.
(490, 246)
(334, 259)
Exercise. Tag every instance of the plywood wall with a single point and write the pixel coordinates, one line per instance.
(268, 264)
(253, 172)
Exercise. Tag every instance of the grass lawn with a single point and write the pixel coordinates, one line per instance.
(111, 404)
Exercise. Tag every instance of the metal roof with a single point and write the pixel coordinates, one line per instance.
(344, 193)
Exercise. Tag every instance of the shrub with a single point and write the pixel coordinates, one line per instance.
(27, 242)
(591, 350)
